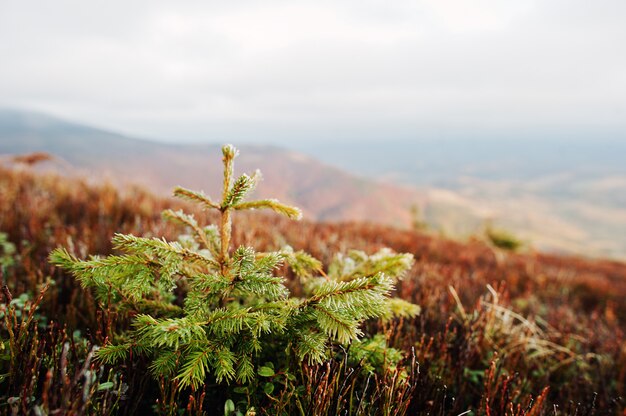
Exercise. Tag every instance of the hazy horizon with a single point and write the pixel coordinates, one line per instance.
(307, 139)
(425, 158)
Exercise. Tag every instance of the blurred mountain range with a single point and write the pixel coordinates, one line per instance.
(322, 191)
(562, 194)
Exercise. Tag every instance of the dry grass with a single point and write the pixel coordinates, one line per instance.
(499, 333)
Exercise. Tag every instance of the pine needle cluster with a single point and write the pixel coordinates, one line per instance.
(235, 306)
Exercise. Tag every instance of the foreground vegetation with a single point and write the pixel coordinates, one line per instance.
(498, 333)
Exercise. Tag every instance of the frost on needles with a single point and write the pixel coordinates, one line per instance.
(235, 307)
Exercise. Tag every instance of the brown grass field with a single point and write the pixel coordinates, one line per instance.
(499, 333)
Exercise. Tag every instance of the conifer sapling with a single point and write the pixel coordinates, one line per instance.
(234, 307)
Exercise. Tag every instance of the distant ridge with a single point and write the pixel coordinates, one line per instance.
(322, 191)
(579, 211)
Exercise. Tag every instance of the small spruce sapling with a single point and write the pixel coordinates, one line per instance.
(234, 306)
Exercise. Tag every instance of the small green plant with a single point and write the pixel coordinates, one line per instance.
(234, 312)
(7, 251)
(502, 239)
(418, 221)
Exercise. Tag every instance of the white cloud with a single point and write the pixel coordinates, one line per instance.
(267, 69)
(458, 16)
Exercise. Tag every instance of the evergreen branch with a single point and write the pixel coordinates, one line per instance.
(400, 308)
(225, 322)
(358, 263)
(336, 325)
(242, 187)
(301, 263)
(188, 220)
(245, 369)
(340, 306)
(270, 287)
(130, 275)
(165, 362)
(311, 345)
(200, 358)
(180, 217)
(224, 365)
(369, 288)
(170, 332)
(254, 276)
(273, 204)
(209, 284)
(195, 196)
(96, 269)
(259, 322)
(113, 353)
(160, 248)
(60, 257)
(268, 262)
(374, 354)
(242, 261)
(213, 237)
(194, 370)
(198, 303)
(229, 153)
(160, 307)
(205, 290)
(285, 306)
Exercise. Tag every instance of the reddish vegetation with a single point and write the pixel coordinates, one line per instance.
(32, 158)
(499, 333)
(322, 191)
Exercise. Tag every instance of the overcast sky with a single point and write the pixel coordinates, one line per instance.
(276, 70)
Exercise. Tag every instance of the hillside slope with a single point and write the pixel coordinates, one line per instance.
(564, 192)
(557, 212)
(322, 191)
